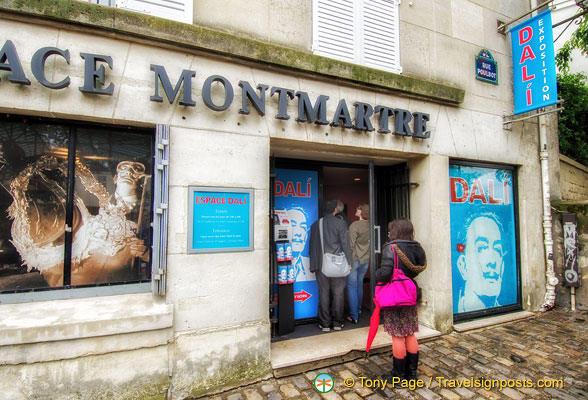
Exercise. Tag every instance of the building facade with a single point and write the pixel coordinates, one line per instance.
(144, 161)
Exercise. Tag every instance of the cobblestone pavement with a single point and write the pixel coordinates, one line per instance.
(549, 349)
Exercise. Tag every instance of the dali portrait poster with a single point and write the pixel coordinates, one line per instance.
(483, 238)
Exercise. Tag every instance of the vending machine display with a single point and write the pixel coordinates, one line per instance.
(285, 271)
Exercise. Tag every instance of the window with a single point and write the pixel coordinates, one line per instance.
(177, 10)
(76, 205)
(363, 32)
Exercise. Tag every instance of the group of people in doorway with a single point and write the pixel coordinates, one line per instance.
(352, 239)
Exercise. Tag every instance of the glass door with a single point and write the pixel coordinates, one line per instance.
(389, 200)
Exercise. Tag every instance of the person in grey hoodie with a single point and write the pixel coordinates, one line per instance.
(336, 240)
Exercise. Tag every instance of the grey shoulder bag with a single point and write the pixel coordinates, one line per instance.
(334, 265)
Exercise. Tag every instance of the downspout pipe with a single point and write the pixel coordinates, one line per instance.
(551, 280)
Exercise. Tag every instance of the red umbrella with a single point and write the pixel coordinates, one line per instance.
(374, 323)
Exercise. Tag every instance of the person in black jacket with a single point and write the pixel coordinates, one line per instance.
(402, 322)
(336, 240)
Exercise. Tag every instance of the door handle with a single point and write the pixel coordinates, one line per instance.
(378, 250)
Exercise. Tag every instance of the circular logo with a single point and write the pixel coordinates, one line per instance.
(324, 383)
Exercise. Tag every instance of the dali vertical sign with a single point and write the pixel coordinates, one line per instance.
(533, 59)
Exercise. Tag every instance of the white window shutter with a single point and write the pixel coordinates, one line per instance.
(177, 10)
(333, 29)
(364, 32)
(381, 47)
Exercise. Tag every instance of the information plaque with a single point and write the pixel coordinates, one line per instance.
(220, 220)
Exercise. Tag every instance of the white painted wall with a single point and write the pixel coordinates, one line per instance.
(224, 292)
(220, 301)
(288, 23)
(439, 40)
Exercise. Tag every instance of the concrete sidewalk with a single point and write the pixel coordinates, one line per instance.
(542, 357)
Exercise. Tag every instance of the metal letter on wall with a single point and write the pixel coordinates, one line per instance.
(571, 272)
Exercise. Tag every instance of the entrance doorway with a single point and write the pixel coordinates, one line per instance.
(300, 188)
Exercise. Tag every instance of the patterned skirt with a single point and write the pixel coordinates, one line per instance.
(401, 321)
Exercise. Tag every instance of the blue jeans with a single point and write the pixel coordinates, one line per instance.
(355, 288)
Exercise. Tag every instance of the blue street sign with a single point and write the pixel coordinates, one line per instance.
(533, 59)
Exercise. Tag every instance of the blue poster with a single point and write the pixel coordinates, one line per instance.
(483, 238)
(220, 220)
(297, 192)
(533, 60)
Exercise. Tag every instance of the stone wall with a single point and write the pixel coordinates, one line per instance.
(574, 180)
